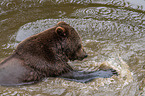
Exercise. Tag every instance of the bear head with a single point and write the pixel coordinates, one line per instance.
(73, 44)
(60, 41)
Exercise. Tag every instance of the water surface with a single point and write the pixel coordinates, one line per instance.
(113, 34)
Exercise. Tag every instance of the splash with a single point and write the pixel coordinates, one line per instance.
(117, 63)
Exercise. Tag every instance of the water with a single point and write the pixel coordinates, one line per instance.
(112, 33)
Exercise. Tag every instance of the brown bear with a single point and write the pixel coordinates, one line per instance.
(44, 55)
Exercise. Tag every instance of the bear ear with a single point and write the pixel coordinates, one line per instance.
(61, 31)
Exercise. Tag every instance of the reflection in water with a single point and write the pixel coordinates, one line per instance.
(107, 28)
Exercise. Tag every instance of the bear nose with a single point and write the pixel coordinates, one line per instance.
(86, 56)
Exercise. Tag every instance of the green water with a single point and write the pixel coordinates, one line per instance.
(113, 34)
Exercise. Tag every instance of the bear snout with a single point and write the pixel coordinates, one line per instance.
(82, 56)
(86, 56)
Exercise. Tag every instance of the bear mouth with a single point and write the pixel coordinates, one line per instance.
(78, 58)
(82, 58)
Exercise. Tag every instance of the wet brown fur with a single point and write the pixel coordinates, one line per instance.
(43, 55)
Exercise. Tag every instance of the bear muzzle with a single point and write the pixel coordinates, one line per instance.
(82, 57)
